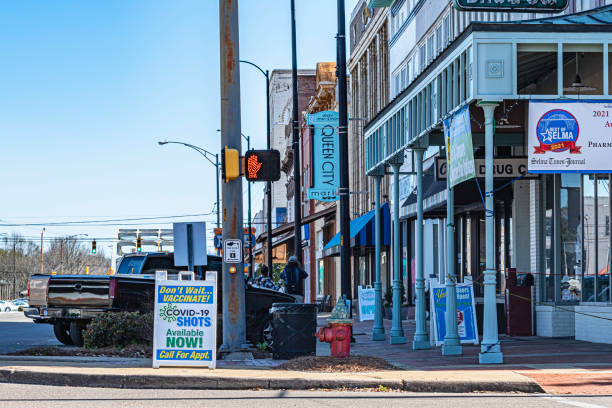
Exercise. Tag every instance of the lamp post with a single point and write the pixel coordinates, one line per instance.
(269, 183)
(208, 156)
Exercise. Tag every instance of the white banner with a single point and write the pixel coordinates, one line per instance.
(185, 330)
(570, 136)
(366, 303)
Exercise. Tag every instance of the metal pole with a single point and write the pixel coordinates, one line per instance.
(41, 251)
(234, 323)
(297, 190)
(421, 338)
(452, 343)
(14, 268)
(378, 331)
(490, 351)
(396, 333)
(250, 220)
(345, 240)
(218, 208)
(269, 183)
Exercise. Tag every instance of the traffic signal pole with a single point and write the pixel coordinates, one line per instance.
(234, 322)
(297, 189)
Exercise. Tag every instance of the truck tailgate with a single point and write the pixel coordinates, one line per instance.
(79, 290)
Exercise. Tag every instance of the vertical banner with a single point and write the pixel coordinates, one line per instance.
(185, 328)
(459, 150)
(325, 156)
(466, 313)
(366, 303)
(570, 136)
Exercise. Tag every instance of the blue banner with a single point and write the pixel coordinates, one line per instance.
(466, 313)
(325, 156)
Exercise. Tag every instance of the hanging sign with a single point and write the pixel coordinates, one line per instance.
(459, 150)
(366, 303)
(517, 6)
(325, 156)
(466, 313)
(185, 325)
(570, 137)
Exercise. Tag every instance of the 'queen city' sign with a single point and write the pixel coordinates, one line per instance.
(532, 6)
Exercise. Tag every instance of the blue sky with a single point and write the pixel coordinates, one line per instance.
(88, 88)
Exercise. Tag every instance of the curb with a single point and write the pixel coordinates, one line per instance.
(245, 383)
(77, 359)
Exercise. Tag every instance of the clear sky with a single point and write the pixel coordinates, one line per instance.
(88, 88)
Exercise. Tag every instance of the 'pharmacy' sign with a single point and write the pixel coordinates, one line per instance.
(518, 6)
(185, 331)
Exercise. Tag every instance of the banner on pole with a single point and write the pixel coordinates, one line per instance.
(185, 325)
(459, 150)
(366, 303)
(325, 156)
(466, 313)
(570, 137)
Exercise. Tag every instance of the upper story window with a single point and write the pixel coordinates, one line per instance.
(447, 30)
(422, 57)
(366, 16)
(430, 48)
(439, 42)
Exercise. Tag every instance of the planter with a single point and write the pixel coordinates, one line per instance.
(388, 313)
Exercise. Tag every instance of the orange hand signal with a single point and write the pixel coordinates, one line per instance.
(253, 166)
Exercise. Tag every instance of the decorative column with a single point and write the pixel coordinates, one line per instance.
(452, 343)
(490, 350)
(378, 332)
(421, 338)
(397, 333)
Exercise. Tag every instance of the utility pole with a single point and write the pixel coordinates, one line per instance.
(42, 233)
(234, 317)
(297, 190)
(345, 241)
(14, 268)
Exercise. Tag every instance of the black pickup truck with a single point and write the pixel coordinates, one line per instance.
(69, 302)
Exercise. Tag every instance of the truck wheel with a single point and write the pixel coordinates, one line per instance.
(62, 334)
(76, 333)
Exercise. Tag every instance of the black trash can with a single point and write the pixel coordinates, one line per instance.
(293, 330)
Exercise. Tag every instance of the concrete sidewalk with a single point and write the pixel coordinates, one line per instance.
(118, 373)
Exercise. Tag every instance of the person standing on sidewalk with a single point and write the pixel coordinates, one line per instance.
(264, 280)
(293, 275)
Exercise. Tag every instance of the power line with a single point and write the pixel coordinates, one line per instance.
(102, 222)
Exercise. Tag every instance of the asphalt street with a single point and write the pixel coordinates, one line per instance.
(24, 396)
(18, 332)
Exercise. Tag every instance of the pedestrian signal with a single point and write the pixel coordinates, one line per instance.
(230, 164)
(262, 165)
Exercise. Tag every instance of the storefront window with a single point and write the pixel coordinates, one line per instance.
(582, 67)
(537, 69)
(571, 258)
(603, 239)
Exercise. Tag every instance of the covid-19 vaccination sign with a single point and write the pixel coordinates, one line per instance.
(570, 136)
(466, 313)
(185, 322)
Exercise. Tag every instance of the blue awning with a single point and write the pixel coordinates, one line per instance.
(362, 231)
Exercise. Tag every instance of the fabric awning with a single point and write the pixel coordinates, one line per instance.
(362, 231)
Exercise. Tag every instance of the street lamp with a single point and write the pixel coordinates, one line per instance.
(206, 155)
(248, 139)
(269, 183)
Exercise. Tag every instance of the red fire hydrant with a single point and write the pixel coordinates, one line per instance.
(338, 331)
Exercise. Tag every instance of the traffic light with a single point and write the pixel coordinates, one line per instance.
(262, 165)
(138, 244)
(230, 164)
(93, 247)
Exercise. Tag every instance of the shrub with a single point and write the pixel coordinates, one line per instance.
(118, 329)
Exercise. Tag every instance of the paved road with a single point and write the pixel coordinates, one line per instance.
(24, 396)
(18, 332)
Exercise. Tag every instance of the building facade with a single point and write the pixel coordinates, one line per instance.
(498, 66)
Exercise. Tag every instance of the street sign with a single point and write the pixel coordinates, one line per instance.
(189, 244)
(218, 240)
(185, 321)
(232, 251)
(262, 165)
(510, 6)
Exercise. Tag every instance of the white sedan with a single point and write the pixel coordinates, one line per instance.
(8, 306)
